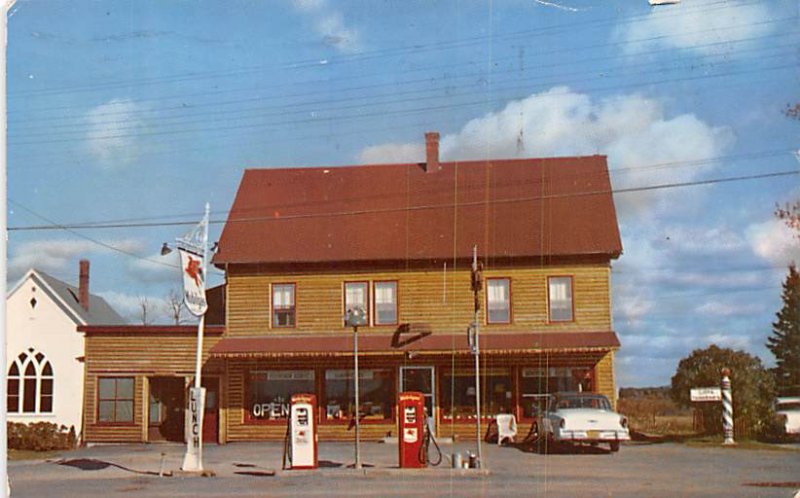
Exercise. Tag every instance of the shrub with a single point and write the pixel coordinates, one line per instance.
(40, 436)
(752, 386)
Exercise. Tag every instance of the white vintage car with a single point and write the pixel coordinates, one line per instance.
(788, 408)
(577, 417)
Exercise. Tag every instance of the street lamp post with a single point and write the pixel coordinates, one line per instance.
(356, 316)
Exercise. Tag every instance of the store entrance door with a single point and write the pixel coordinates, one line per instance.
(420, 379)
(166, 409)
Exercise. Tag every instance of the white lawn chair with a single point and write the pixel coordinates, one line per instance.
(506, 427)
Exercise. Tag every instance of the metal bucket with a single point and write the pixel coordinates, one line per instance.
(457, 461)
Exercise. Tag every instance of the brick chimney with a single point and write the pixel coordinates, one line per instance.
(83, 284)
(432, 152)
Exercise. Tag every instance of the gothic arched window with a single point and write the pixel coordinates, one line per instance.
(30, 384)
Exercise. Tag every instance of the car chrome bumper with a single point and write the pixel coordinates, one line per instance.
(592, 435)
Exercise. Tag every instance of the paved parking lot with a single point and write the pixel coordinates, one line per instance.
(242, 469)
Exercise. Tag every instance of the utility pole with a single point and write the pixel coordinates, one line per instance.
(477, 285)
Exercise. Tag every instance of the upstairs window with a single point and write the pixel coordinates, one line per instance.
(283, 307)
(385, 303)
(559, 299)
(355, 296)
(498, 300)
(30, 384)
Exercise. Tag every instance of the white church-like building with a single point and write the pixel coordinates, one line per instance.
(45, 351)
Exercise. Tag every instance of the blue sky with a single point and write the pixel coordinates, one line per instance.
(141, 111)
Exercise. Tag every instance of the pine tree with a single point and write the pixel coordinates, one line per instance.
(785, 339)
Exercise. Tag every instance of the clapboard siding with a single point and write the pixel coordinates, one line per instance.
(145, 353)
(137, 355)
(604, 373)
(441, 299)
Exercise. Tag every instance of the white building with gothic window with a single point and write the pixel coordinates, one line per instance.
(44, 350)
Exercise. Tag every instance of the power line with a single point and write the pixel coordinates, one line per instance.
(416, 48)
(83, 124)
(712, 181)
(394, 84)
(319, 120)
(90, 239)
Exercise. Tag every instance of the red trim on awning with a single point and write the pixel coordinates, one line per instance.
(304, 344)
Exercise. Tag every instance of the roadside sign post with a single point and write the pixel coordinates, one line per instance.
(193, 251)
(715, 394)
(727, 407)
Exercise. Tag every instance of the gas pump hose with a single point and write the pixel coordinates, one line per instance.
(424, 450)
(287, 449)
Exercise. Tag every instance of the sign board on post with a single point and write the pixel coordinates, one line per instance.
(705, 394)
(193, 460)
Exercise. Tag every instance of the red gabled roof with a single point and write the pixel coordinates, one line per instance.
(399, 212)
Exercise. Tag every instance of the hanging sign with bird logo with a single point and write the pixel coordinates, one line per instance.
(194, 284)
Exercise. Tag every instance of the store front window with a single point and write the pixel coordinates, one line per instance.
(458, 394)
(537, 383)
(376, 394)
(269, 392)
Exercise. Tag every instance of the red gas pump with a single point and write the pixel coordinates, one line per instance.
(302, 433)
(410, 431)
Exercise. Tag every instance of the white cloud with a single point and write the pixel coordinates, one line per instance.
(392, 153)
(111, 136)
(720, 308)
(705, 27)
(773, 241)
(157, 269)
(700, 279)
(308, 5)
(334, 32)
(730, 341)
(703, 240)
(633, 308)
(330, 25)
(57, 255)
(631, 129)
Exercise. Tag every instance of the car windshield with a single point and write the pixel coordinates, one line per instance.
(595, 401)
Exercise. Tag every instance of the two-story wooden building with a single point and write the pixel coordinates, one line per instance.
(302, 245)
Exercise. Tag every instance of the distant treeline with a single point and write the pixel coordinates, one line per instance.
(644, 392)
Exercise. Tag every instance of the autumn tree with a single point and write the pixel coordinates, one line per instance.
(790, 212)
(785, 339)
(176, 307)
(145, 311)
(752, 387)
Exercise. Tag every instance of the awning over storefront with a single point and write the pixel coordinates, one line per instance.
(412, 343)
